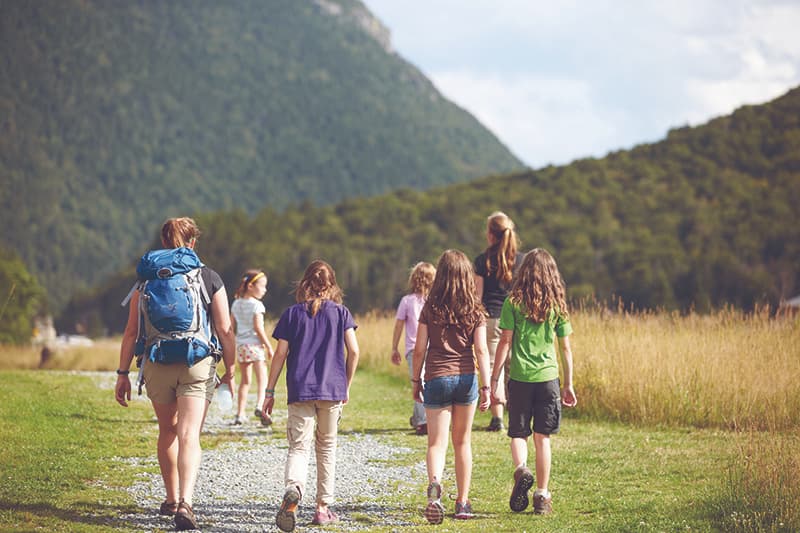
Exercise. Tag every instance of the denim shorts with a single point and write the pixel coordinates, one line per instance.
(448, 390)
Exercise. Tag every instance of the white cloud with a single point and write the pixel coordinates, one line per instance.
(561, 80)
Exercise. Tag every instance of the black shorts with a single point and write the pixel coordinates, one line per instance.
(540, 402)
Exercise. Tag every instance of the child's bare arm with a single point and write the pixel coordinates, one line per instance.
(568, 397)
(500, 355)
(398, 330)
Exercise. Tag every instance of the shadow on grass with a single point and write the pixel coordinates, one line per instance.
(98, 515)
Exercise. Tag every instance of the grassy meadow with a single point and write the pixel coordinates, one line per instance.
(683, 423)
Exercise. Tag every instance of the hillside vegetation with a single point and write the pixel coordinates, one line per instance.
(116, 115)
(703, 219)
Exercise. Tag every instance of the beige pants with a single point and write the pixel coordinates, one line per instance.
(317, 422)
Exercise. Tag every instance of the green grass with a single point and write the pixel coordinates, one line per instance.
(59, 432)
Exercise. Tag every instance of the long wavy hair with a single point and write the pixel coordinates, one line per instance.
(452, 299)
(318, 284)
(539, 288)
(503, 251)
(421, 278)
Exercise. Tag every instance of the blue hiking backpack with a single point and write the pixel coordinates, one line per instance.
(174, 324)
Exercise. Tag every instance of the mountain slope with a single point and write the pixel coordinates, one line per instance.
(115, 115)
(707, 217)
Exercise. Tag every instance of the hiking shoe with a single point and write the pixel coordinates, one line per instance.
(265, 419)
(325, 517)
(237, 421)
(496, 424)
(184, 517)
(411, 422)
(434, 512)
(542, 503)
(523, 481)
(422, 429)
(463, 511)
(285, 519)
(168, 509)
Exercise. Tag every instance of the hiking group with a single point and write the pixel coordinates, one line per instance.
(479, 333)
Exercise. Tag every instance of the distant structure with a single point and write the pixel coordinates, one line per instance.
(790, 306)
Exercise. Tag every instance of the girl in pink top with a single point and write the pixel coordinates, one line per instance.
(419, 283)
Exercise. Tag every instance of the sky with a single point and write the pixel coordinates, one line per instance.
(560, 80)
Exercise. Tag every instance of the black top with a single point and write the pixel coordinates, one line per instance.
(211, 280)
(494, 292)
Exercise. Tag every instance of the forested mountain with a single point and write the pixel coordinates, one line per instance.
(116, 115)
(705, 218)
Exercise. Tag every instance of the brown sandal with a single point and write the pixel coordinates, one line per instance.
(168, 509)
(184, 517)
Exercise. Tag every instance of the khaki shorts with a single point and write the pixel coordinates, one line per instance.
(165, 383)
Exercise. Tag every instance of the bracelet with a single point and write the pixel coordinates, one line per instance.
(485, 388)
(416, 381)
(269, 392)
(121, 372)
(495, 379)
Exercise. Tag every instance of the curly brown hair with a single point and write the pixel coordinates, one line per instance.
(539, 288)
(452, 299)
(421, 278)
(318, 284)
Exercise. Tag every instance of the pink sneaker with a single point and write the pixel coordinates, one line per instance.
(322, 518)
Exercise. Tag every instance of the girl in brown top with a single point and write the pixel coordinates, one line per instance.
(451, 336)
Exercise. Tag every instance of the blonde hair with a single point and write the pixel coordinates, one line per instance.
(318, 284)
(248, 278)
(504, 248)
(421, 278)
(539, 288)
(452, 299)
(178, 232)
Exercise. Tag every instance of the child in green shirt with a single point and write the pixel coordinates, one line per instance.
(533, 315)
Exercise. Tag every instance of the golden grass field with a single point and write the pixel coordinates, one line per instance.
(728, 370)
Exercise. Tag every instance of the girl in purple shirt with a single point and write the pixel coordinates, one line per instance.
(312, 335)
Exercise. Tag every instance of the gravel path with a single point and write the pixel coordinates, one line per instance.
(240, 484)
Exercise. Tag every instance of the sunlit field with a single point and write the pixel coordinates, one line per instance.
(728, 370)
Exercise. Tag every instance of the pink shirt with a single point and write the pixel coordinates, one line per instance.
(408, 311)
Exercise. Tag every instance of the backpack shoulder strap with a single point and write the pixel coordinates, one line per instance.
(136, 286)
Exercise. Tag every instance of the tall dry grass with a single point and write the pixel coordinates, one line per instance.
(729, 369)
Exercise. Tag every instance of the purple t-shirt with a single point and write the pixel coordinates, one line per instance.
(315, 365)
(408, 311)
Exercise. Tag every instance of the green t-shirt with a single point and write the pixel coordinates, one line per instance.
(533, 350)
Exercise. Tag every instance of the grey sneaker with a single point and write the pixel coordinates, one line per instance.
(463, 511)
(286, 517)
(542, 504)
(523, 481)
(434, 512)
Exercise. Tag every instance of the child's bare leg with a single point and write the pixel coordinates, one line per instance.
(463, 416)
(542, 443)
(438, 429)
(261, 380)
(519, 451)
(244, 388)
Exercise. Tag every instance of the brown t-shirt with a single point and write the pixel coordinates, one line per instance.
(449, 348)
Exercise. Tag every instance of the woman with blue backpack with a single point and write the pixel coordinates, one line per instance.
(178, 328)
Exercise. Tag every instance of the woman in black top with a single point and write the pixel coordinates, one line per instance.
(494, 270)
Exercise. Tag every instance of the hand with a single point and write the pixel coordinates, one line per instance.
(122, 391)
(396, 357)
(417, 391)
(568, 398)
(269, 403)
(485, 400)
(498, 393)
(229, 379)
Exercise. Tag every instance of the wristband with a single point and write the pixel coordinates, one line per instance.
(485, 388)
(121, 372)
(269, 392)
